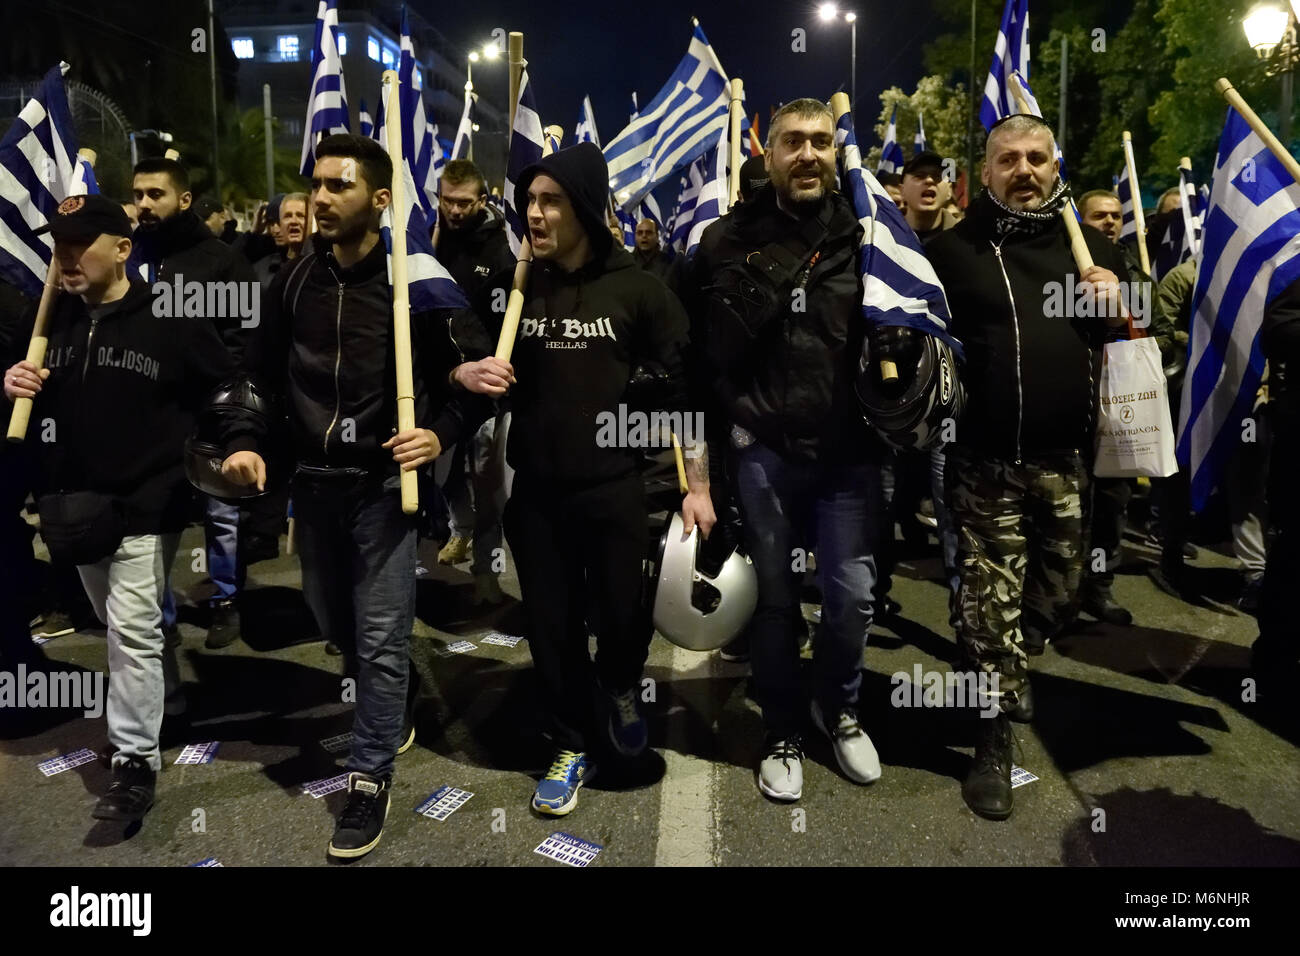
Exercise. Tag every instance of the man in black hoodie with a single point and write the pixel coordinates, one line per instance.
(325, 346)
(176, 246)
(1014, 471)
(113, 408)
(576, 518)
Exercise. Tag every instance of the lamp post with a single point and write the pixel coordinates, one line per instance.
(829, 12)
(1268, 26)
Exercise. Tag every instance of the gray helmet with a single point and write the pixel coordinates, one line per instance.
(697, 607)
(910, 414)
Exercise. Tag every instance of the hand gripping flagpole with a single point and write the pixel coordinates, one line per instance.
(22, 411)
(840, 106)
(515, 304)
(401, 292)
(1082, 257)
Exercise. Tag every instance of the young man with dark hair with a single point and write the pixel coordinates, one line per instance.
(326, 345)
(120, 388)
(576, 518)
(176, 246)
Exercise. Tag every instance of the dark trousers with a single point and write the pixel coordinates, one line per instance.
(1104, 529)
(1279, 637)
(358, 555)
(575, 550)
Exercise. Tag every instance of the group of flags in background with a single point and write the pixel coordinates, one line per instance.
(1245, 236)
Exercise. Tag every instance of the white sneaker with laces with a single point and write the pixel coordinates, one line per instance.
(780, 774)
(854, 751)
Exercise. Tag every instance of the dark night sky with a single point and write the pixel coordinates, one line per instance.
(608, 49)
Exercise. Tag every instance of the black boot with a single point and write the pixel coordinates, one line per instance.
(1100, 603)
(224, 629)
(131, 794)
(987, 790)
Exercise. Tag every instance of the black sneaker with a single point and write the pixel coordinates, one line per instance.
(224, 629)
(131, 794)
(408, 735)
(361, 823)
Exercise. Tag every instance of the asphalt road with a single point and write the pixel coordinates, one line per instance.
(1144, 749)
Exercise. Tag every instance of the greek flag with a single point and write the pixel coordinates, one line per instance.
(460, 147)
(366, 122)
(919, 142)
(327, 107)
(586, 131)
(1124, 188)
(1192, 205)
(680, 123)
(429, 285)
(715, 193)
(899, 286)
(891, 156)
(1250, 253)
(525, 149)
(1182, 238)
(687, 198)
(38, 166)
(1010, 55)
(417, 137)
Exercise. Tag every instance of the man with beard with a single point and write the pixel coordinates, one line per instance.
(1015, 471)
(328, 319)
(780, 365)
(472, 246)
(176, 246)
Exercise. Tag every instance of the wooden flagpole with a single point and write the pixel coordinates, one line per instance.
(36, 347)
(737, 97)
(401, 292)
(1135, 195)
(515, 304)
(1226, 90)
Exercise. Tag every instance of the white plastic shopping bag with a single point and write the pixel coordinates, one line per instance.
(1135, 434)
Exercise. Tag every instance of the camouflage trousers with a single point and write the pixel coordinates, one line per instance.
(1020, 554)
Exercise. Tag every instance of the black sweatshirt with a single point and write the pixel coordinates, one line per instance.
(325, 345)
(119, 403)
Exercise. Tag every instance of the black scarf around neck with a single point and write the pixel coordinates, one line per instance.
(1031, 221)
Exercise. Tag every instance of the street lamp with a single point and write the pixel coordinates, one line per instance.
(829, 12)
(1268, 26)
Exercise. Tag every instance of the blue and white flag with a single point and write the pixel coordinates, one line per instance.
(1182, 238)
(586, 131)
(1250, 254)
(417, 137)
(679, 124)
(715, 193)
(38, 164)
(525, 149)
(919, 142)
(1192, 206)
(83, 179)
(899, 286)
(891, 155)
(687, 198)
(365, 121)
(327, 106)
(429, 285)
(1010, 55)
(1124, 189)
(460, 146)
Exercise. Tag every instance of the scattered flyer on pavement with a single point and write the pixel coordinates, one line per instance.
(66, 761)
(567, 848)
(1020, 776)
(503, 640)
(443, 802)
(318, 788)
(198, 753)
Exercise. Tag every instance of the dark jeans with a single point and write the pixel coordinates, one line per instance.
(575, 550)
(1104, 528)
(845, 508)
(358, 576)
(903, 486)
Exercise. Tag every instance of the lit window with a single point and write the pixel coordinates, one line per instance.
(389, 58)
(343, 44)
(243, 47)
(288, 47)
(372, 49)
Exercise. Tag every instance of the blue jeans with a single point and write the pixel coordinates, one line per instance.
(222, 532)
(358, 577)
(843, 505)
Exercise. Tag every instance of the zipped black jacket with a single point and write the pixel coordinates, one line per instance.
(793, 386)
(184, 246)
(325, 346)
(477, 253)
(1029, 376)
(119, 403)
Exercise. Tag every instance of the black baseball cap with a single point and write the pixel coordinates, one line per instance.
(923, 159)
(86, 218)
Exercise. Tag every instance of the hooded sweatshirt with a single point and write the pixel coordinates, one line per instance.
(580, 335)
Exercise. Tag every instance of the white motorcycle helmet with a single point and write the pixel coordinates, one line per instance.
(697, 607)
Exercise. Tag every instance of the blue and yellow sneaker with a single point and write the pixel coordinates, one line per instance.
(627, 728)
(557, 792)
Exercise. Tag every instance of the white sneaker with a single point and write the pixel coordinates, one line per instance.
(780, 774)
(853, 748)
